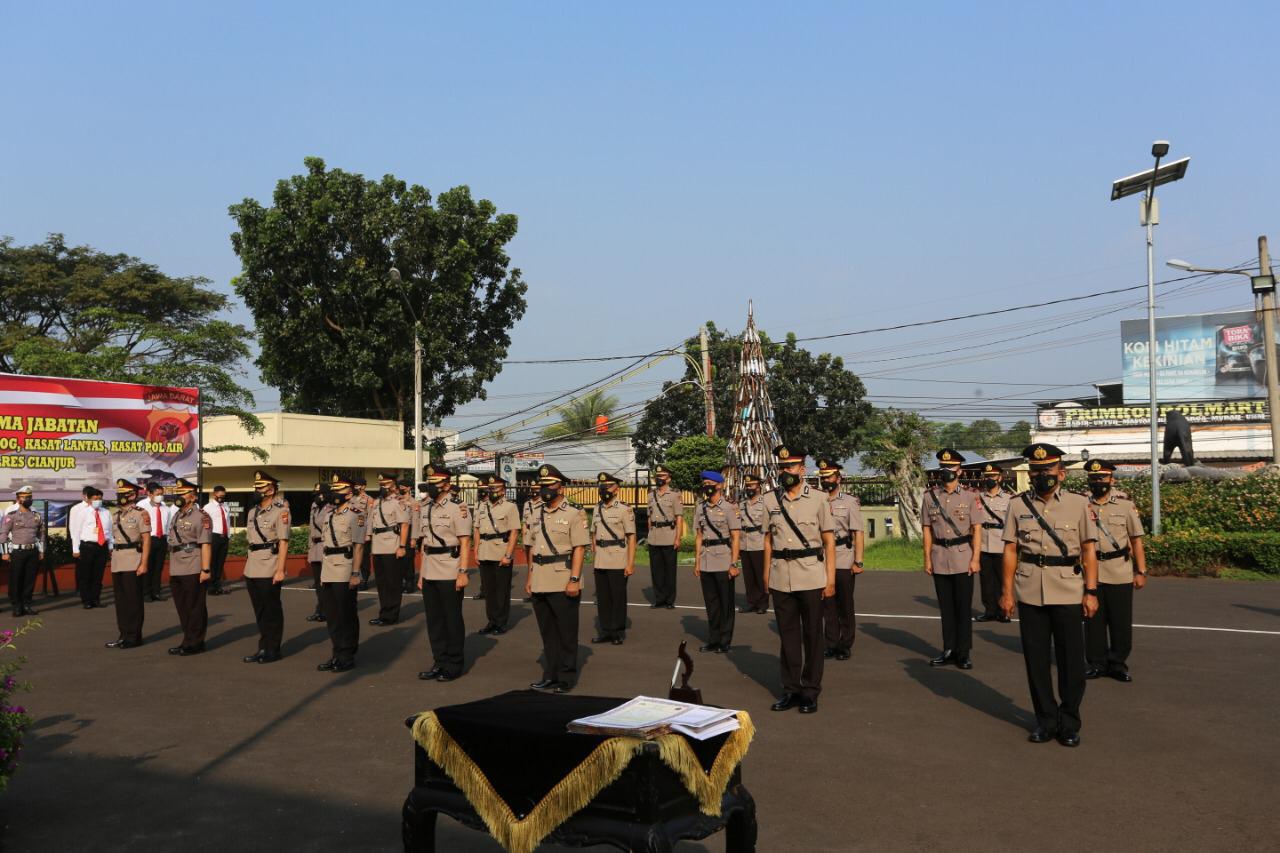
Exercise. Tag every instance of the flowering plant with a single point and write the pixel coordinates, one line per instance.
(14, 719)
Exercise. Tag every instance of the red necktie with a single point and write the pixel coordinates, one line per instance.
(159, 524)
(226, 522)
(97, 522)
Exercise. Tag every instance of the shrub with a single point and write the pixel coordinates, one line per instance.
(1242, 505)
(14, 719)
(1196, 553)
(299, 542)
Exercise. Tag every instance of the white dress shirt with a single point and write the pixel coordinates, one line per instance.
(83, 528)
(167, 512)
(219, 515)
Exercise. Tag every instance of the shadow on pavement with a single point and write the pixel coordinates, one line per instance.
(1266, 611)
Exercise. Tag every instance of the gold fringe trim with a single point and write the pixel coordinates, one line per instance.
(599, 770)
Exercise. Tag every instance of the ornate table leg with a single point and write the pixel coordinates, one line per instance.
(418, 829)
(740, 830)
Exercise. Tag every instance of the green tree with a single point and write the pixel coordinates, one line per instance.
(80, 313)
(897, 447)
(1018, 437)
(578, 418)
(818, 404)
(335, 333)
(688, 457)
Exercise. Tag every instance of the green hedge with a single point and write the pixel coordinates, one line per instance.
(1205, 553)
(238, 544)
(1243, 505)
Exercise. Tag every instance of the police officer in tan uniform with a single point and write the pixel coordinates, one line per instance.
(342, 545)
(23, 530)
(993, 504)
(131, 528)
(666, 529)
(388, 537)
(1050, 563)
(267, 529)
(715, 559)
(408, 567)
(800, 571)
(1122, 568)
(497, 528)
(950, 518)
(315, 546)
(751, 516)
(190, 553)
(528, 523)
(446, 550)
(362, 502)
(613, 543)
(839, 623)
(559, 541)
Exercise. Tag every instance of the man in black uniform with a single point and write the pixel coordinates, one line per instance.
(23, 529)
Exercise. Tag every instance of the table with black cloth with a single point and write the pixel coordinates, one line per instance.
(508, 765)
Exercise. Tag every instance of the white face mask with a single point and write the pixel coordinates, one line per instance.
(157, 500)
(96, 503)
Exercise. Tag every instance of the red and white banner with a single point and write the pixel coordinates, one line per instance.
(60, 435)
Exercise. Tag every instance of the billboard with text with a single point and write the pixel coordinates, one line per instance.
(1198, 357)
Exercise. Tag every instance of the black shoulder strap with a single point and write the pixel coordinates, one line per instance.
(657, 504)
(1115, 546)
(542, 526)
(431, 528)
(991, 512)
(257, 510)
(600, 516)
(707, 519)
(382, 514)
(315, 512)
(120, 527)
(173, 528)
(1062, 546)
(489, 512)
(333, 534)
(943, 513)
(747, 512)
(782, 505)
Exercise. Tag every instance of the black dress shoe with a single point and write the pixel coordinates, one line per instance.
(763, 611)
(479, 596)
(544, 684)
(984, 617)
(430, 675)
(270, 658)
(709, 647)
(254, 658)
(829, 653)
(963, 662)
(29, 611)
(1004, 618)
(380, 622)
(788, 701)
(176, 650)
(1092, 673)
(603, 638)
(344, 665)
(88, 606)
(498, 632)
(1120, 675)
(488, 629)
(943, 659)
(563, 687)
(842, 655)
(1069, 738)
(1040, 735)
(746, 610)
(17, 612)
(316, 617)
(188, 651)
(116, 644)
(808, 706)
(617, 641)
(669, 606)
(327, 666)
(448, 676)
(723, 650)
(655, 605)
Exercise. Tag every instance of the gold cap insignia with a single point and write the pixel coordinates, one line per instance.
(1039, 453)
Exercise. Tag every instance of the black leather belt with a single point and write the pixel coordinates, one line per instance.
(755, 529)
(438, 549)
(543, 560)
(136, 546)
(315, 540)
(346, 551)
(489, 537)
(993, 525)
(262, 546)
(1111, 555)
(707, 543)
(383, 529)
(797, 553)
(610, 543)
(844, 541)
(947, 543)
(662, 524)
(31, 547)
(1043, 560)
(186, 546)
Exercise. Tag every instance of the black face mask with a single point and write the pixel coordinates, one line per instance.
(338, 498)
(787, 479)
(988, 483)
(708, 490)
(662, 481)
(605, 494)
(946, 475)
(1044, 483)
(830, 487)
(482, 495)
(319, 499)
(1099, 489)
(495, 495)
(752, 491)
(433, 490)
(548, 493)
(26, 502)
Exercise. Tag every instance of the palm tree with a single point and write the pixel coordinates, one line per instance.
(578, 418)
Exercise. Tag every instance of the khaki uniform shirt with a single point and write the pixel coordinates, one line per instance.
(414, 508)
(384, 522)
(266, 525)
(131, 524)
(22, 527)
(664, 509)
(846, 519)
(363, 503)
(529, 521)
(444, 524)
(315, 548)
(188, 530)
(1119, 518)
(621, 519)
(752, 517)
(342, 527)
(724, 516)
(566, 527)
(1071, 520)
(965, 511)
(494, 523)
(993, 525)
(812, 514)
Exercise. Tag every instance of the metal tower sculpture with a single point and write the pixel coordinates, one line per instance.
(754, 433)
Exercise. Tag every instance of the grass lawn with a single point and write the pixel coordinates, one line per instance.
(894, 555)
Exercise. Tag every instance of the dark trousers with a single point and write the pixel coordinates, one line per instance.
(89, 569)
(155, 566)
(390, 586)
(217, 559)
(408, 572)
(193, 613)
(495, 583)
(718, 597)
(445, 629)
(1114, 618)
(264, 595)
(990, 579)
(319, 588)
(366, 565)
(955, 601)
(662, 567)
(799, 616)
(837, 613)
(24, 565)
(129, 610)
(557, 616)
(753, 579)
(611, 602)
(1058, 624)
(338, 603)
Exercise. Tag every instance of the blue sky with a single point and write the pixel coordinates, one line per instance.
(844, 165)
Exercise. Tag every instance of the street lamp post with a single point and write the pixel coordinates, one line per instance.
(1264, 286)
(1146, 183)
(417, 379)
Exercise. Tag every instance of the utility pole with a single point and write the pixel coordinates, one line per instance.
(417, 402)
(1269, 347)
(708, 399)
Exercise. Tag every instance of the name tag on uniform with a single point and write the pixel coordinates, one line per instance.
(1026, 517)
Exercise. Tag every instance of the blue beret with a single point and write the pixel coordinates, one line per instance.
(713, 476)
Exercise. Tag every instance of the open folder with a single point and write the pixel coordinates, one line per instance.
(648, 717)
